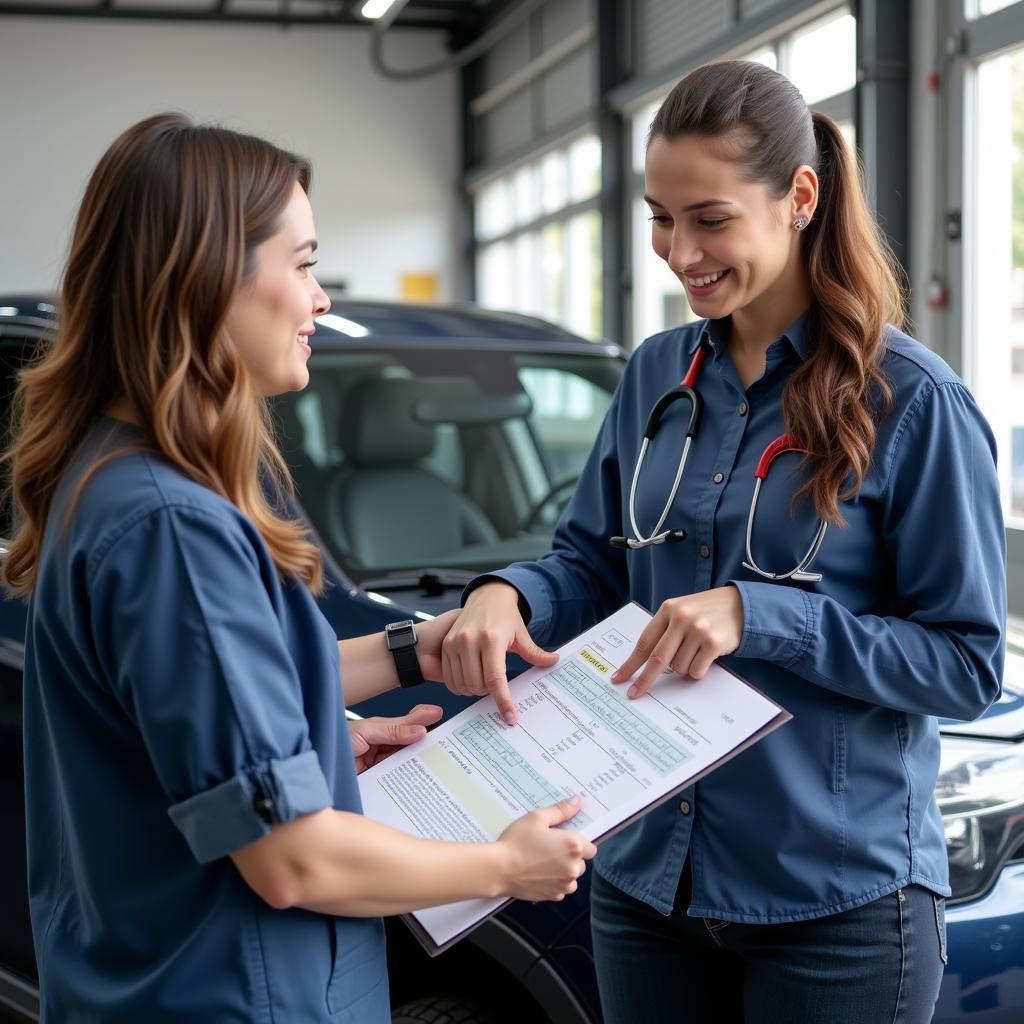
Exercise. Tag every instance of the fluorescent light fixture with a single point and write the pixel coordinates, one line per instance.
(8, 310)
(374, 9)
(340, 323)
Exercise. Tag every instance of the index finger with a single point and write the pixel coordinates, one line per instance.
(493, 659)
(644, 647)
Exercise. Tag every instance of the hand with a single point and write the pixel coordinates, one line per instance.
(429, 636)
(545, 862)
(373, 739)
(473, 652)
(686, 635)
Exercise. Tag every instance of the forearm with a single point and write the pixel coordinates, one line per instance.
(367, 667)
(335, 862)
(949, 669)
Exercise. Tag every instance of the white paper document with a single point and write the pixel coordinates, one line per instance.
(473, 775)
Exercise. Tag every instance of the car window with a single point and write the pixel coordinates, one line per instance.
(411, 458)
(16, 349)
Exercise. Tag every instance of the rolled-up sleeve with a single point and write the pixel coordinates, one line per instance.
(187, 634)
(943, 528)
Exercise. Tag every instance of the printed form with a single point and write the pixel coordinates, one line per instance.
(470, 777)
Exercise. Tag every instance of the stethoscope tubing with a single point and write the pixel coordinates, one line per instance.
(785, 443)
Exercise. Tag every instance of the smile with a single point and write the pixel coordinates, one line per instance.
(706, 280)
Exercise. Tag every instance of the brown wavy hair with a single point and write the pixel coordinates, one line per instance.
(165, 237)
(833, 402)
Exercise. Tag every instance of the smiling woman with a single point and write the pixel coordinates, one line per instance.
(805, 880)
(271, 319)
(196, 845)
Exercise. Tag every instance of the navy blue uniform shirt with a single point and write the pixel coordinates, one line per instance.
(836, 808)
(179, 698)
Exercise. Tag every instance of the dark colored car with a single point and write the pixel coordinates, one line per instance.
(431, 444)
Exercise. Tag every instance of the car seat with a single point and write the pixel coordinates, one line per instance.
(384, 509)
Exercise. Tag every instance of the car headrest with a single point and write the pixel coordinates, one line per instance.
(389, 421)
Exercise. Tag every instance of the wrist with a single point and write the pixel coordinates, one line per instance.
(499, 869)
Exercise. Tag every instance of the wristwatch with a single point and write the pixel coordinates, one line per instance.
(401, 641)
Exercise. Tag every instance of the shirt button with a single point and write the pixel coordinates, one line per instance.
(685, 807)
(743, 408)
(718, 478)
(705, 551)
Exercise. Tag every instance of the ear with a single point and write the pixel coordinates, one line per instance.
(803, 193)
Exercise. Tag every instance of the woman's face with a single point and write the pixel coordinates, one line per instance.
(270, 320)
(726, 239)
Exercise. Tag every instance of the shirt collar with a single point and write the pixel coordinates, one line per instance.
(714, 332)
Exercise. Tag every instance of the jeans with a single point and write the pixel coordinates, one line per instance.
(880, 963)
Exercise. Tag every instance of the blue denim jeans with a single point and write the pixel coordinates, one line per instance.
(877, 964)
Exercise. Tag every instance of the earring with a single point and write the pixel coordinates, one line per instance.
(800, 223)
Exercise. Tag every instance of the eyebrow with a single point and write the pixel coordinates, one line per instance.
(693, 206)
(311, 245)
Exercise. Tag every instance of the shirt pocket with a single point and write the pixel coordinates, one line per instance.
(358, 980)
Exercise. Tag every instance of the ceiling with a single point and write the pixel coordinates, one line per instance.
(464, 20)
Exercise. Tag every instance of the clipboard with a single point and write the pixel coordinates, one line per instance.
(638, 753)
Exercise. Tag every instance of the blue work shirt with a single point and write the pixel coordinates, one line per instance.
(179, 699)
(836, 808)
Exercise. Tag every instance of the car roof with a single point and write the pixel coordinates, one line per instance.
(359, 323)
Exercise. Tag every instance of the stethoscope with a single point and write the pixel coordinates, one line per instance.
(785, 443)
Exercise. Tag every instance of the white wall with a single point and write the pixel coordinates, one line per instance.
(384, 152)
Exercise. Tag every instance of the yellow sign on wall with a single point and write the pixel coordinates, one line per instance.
(419, 287)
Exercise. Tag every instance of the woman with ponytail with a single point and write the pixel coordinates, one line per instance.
(196, 848)
(804, 880)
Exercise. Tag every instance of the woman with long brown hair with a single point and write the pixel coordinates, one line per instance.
(196, 848)
(864, 590)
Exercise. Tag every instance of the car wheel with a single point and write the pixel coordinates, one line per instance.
(443, 1008)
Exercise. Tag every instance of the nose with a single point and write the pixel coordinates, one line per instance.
(683, 252)
(321, 302)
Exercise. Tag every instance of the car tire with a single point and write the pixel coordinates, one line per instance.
(443, 1008)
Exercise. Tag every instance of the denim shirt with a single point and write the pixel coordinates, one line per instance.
(837, 807)
(180, 699)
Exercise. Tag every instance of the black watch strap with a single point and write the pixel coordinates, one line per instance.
(408, 666)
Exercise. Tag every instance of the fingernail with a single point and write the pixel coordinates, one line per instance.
(634, 690)
(510, 717)
(415, 731)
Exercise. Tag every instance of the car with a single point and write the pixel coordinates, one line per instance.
(437, 442)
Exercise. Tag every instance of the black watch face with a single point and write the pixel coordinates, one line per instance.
(400, 634)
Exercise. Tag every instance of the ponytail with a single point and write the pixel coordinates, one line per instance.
(833, 401)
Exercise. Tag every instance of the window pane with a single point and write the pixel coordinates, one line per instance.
(584, 314)
(527, 276)
(641, 126)
(584, 168)
(995, 270)
(823, 58)
(527, 194)
(552, 242)
(494, 276)
(493, 209)
(554, 173)
(767, 56)
(984, 7)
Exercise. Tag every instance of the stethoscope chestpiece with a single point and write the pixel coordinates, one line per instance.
(631, 544)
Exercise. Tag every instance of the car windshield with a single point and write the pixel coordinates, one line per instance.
(454, 459)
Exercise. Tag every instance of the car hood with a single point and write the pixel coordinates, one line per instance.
(1005, 719)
